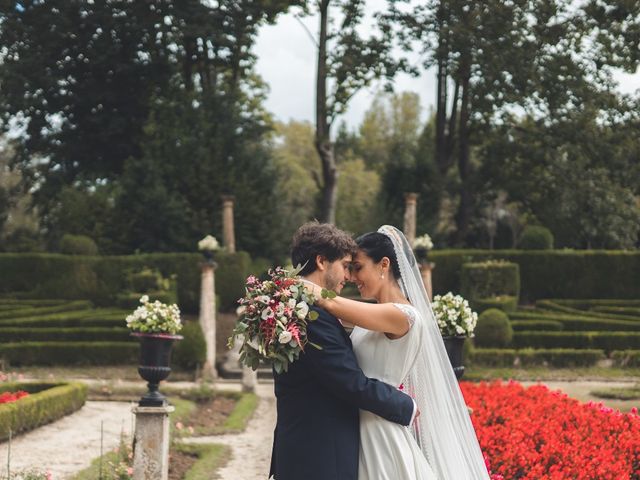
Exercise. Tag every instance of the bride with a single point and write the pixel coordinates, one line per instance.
(398, 341)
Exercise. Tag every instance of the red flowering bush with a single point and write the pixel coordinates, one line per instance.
(537, 434)
(8, 397)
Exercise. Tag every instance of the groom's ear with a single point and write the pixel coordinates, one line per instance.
(321, 262)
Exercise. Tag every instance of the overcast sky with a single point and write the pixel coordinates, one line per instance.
(287, 62)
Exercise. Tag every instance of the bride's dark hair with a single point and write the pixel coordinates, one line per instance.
(376, 246)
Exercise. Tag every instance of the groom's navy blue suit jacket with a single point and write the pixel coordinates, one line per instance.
(317, 434)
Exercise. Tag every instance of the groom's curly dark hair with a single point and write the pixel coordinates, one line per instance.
(315, 238)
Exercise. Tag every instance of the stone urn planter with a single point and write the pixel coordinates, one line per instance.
(454, 346)
(154, 364)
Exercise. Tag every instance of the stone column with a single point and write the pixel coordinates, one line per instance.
(208, 316)
(151, 443)
(425, 269)
(411, 200)
(228, 229)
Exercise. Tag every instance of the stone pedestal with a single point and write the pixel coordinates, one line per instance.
(425, 270)
(249, 379)
(228, 228)
(151, 443)
(411, 201)
(208, 317)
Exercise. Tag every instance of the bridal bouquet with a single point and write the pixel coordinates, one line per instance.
(272, 321)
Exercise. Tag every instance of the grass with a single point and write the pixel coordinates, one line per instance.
(210, 458)
(475, 373)
(626, 393)
(237, 421)
(93, 471)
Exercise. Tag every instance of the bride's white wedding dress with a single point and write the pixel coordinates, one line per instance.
(388, 451)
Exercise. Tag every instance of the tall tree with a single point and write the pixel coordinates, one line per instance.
(493, 58)
(346, 63)
(103, 82)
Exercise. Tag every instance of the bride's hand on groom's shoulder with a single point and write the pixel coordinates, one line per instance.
(312, 289)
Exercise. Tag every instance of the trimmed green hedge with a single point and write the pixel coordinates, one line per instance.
(536, 325)
(631, 311)
(39, 311)
(56, 334)
(45, 403)
(607, 341)
(575, 323)
(493, 357)
(587, 303)
(555, 357)
(69, 353)
(83, 318)
(489, 279)
(505, 303)
(100, 279)
(574, 274)
(626, 358)
(560, 357)
(552, 305)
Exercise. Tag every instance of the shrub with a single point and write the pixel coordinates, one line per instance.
(489, 279)
(147, 280)
(506, 303)
(626, 358)
(493, 329)
(536, 237)
(46, 403)
(190, 352)
(78, 245)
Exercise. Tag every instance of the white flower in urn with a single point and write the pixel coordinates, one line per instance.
(208, 245)
(454, 315)
(421, 245)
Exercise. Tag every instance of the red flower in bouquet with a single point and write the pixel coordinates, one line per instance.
(273, 318)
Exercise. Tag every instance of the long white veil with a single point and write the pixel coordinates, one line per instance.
(443, 430)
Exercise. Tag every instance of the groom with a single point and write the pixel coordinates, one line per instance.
(317, 435)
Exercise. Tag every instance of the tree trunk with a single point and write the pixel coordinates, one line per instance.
(463, 216)
(323, 142)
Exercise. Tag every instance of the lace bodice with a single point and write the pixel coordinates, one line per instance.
(388, 359)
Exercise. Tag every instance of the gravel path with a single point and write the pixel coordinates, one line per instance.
(250, 450)
(69, 444)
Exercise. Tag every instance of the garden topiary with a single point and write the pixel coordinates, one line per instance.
(493, 329)
(192, 350)
(493, 278)
(536, 237)
(78, 245)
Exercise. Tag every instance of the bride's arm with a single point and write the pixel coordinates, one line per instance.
(380, 317)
